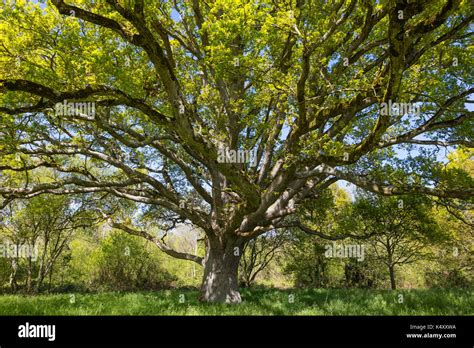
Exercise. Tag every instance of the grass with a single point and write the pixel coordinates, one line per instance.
(255, 302)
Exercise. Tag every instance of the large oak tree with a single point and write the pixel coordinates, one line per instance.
(299, 83)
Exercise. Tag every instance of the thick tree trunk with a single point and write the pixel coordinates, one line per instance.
(220, 281)
(393, 284)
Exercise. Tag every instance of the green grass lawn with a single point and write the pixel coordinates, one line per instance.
(255, 302)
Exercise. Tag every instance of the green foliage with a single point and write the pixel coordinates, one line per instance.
(365, 274)
(449, 278)
(4, 272)
(259, 253)
(123, 262)
(42, 227)
(307, 264)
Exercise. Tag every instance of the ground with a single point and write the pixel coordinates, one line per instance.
(255, 302)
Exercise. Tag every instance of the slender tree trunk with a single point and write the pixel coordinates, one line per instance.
(42, 273)
(393, 284)
(39, 282)
(220, 281)
(391, 266)
(50, 278)
(29, 277)
(13, 273)
(42, 268)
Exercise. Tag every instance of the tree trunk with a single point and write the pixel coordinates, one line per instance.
(29, 277)
(220, 281)
(391, 270)
(13, 273)
(50, 278)
(41, 270)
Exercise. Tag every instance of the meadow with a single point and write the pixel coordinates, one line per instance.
(258, 301)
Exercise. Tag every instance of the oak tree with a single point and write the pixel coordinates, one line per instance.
(139, 100)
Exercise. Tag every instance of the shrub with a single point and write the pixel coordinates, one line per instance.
(124, 262)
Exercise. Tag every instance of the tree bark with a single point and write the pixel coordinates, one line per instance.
(393, 284)
(13, 273)
(29, 277)
(220, 281)
(50, 277)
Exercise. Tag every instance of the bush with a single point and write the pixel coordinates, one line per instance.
(360, 274)
(124, 262)
(448, 278)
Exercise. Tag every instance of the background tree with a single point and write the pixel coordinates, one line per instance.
(45, 225)
(307, 264)
(306, 259)
(452, 266)
(298, 83)
(400, 229)
(11, 236)
(258, 253)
